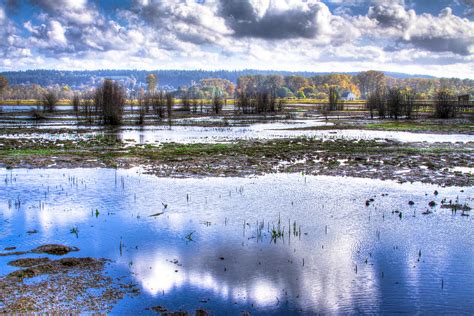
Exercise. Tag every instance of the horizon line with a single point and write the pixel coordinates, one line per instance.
(229, 70)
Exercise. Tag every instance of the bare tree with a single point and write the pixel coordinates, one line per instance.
(158, 103)
(243, 102)
(76, 103)
(195, 103)
(109, 101)
(87, 109)
(141, 109)
(169, 106)
(394, 102)
(50, 99)
(217, 104)
(445, 105)
(186, 102)
(375, 101)
(410, 106)
(333, 99)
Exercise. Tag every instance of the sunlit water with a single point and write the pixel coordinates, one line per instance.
(348, 258)
(190, 134)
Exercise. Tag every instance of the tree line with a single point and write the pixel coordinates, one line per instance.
(253, 94)
(202, 84)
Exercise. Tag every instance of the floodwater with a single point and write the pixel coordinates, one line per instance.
(277, 130)
(236, 131)
(212, 247)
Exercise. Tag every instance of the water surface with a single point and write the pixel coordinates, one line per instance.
(236, 131)
(213, 248)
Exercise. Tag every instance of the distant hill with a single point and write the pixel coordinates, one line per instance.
(171, 78)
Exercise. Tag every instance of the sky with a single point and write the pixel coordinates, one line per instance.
(432, 37)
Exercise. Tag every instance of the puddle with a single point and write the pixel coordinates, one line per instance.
(212, 248)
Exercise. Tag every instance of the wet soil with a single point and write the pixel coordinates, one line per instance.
(66, 285)
(379, 159)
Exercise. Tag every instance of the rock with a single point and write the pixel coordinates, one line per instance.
(411, 203)
(432, 204)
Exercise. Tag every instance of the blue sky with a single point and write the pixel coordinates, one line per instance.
(424, 36)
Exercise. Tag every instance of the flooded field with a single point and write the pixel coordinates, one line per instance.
(181, 134)
(199, 158)
(235, 131)
(281, 243)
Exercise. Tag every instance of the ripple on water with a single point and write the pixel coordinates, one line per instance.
(212, 247)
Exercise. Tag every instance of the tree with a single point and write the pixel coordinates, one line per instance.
(50, 99)
(243, 103)
(274, 83)
(375, 101)
(300, 95)
(142, 108)
(158, 103)
(186, 102)
(152, 82)
(394, 102)
(370, 81)
(283, 92)
(222, 85)
(246, 85)
(3, 84)
(217, 103)
(295, 83)
(195, 103)
(333, 99)
(76, 102)
(169, 106)
(409, 96)
(87, 109)
(445, 106)
(109, 100)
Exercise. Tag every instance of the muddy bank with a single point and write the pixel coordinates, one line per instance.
(379, 159)
(50, 249)
(66, 285)
(424, 125)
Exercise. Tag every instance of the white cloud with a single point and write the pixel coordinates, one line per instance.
(443, 33)
(286, 34)
(2, 15)
(70, 11)
(56, 34)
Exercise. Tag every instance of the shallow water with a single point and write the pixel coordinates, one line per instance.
(190, 134)
(357, 259)
(279, 129)
(30, 107)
